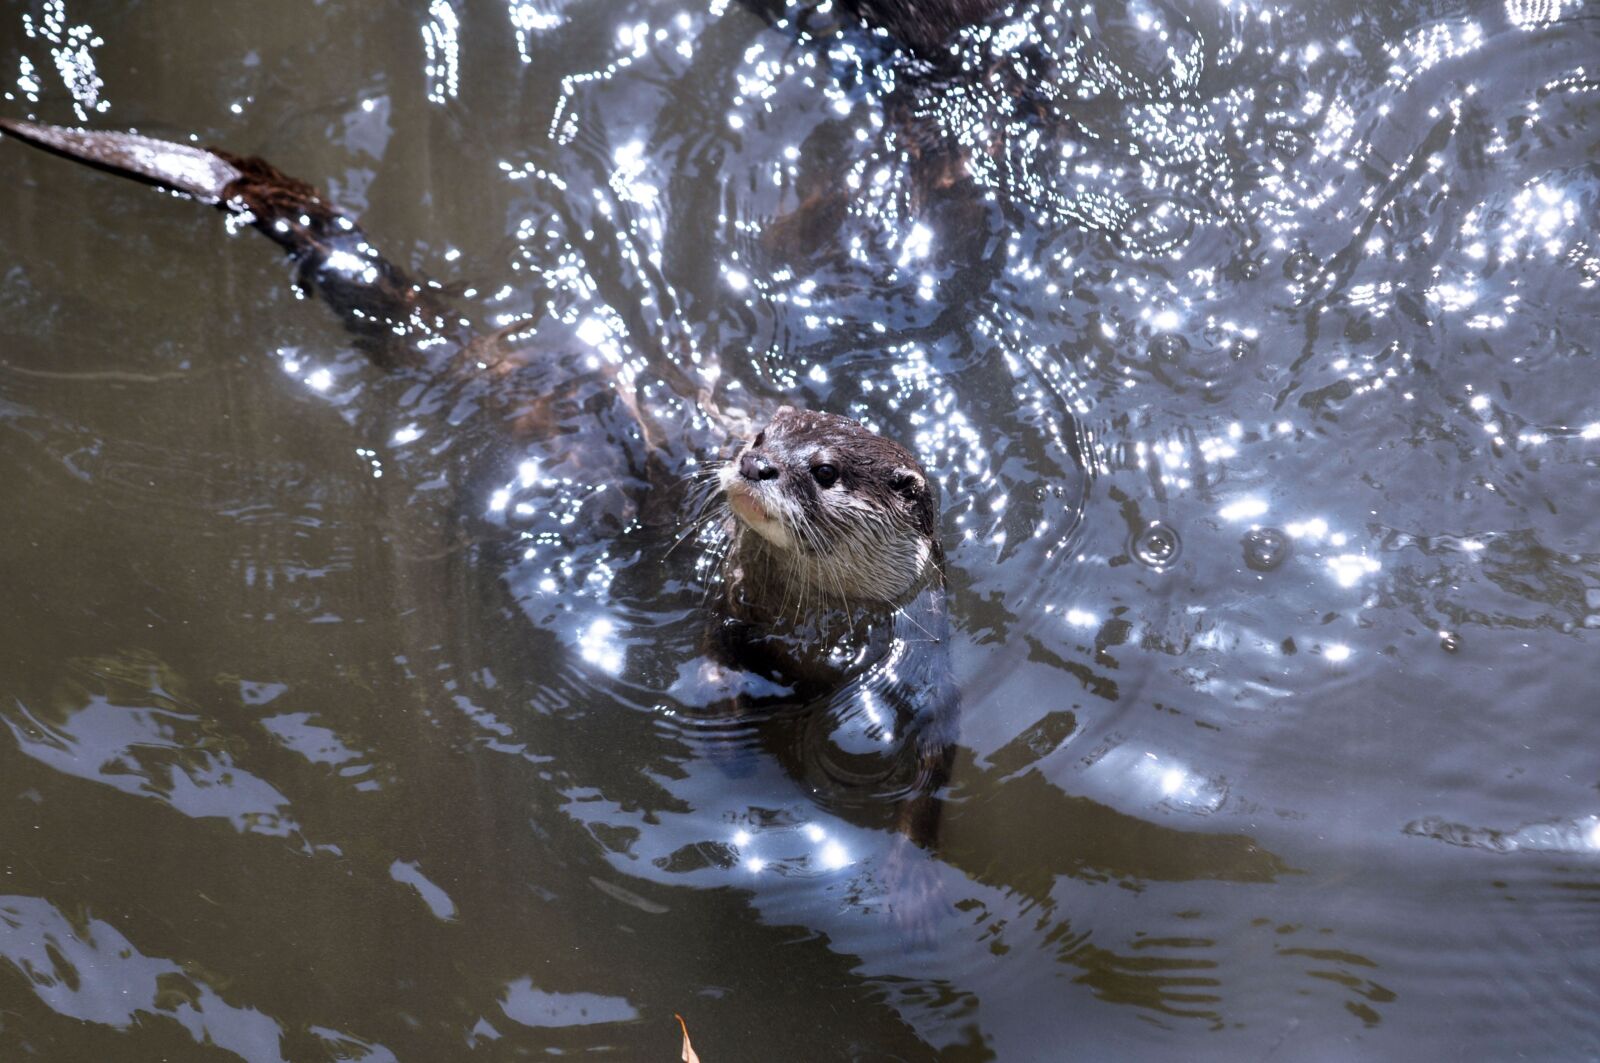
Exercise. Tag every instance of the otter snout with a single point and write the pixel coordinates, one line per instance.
(755, 467)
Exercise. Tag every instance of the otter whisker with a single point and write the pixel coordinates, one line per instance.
(708, 471)
(831, 574)
(708, 495)
(695, 527)
(832, 579)
(903, 612)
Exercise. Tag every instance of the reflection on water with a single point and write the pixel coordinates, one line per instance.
(354, 715)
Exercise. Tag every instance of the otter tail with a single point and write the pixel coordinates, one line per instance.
(389, 314)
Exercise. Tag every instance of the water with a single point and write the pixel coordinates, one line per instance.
(342, 723)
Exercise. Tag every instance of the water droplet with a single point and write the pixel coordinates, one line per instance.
(1265, 549)
(1449, 641)
(1241, 347)
(1157, 545)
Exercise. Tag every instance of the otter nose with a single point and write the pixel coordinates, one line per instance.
(754, 467)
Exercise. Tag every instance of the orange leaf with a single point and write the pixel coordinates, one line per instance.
(688, 1049)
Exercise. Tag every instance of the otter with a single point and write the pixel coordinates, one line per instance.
(831, 529)
(830, 506)
(832, 526)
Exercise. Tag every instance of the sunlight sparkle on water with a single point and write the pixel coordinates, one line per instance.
(627, 178)
(355, 265)
(599, 646)
(1243, 509)
(526, 20)
(442, 44)
(1313, 529)
(72, 50)
(1349, 568)
(918, 243)
(1172, 783)
(593, 331)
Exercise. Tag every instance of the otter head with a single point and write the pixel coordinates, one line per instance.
(827, 512)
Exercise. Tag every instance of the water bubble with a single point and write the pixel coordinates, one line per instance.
(1156, 228)
(1244, 268)
(1280, 94)
(1168, 347)
(1241, 347)
(1265, 549)
(1449, 641)
(1156, 545)
(1289, 143)
(1300, 266)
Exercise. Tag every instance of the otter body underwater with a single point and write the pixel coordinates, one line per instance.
(831, 530)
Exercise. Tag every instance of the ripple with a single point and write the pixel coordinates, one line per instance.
(84, 969)
(127, 735)
(1325, 273)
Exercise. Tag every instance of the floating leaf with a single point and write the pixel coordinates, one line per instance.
(688, 1049)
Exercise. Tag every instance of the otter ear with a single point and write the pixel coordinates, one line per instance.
(910, 485)
(907, 481)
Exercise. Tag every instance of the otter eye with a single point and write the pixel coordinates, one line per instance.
(761, 437)
(824, 474)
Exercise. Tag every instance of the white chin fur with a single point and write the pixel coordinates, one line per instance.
(752, 513)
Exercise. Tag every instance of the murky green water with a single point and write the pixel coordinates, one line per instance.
(339, 725)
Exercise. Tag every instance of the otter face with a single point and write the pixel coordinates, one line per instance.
(836, 510)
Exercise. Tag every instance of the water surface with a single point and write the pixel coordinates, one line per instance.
(1251, 345)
